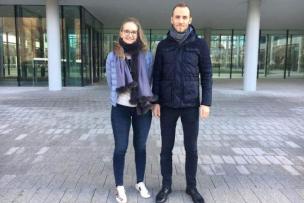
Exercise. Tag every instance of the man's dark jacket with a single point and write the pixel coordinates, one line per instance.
(176, 72)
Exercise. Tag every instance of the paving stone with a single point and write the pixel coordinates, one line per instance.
(284, 160)
(292, 195)
(291, 170)
(57, 146)
(6, 179)
(273, 160)
(239, 160)
(251, 159)
(206, 169)
(217, 159)
(242, 169)
(292, 144)
(228, 159)
(262, 160)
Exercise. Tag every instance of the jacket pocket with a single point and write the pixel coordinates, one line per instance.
(191, 92)
(166, 91)
(191, 56)
(190, 61)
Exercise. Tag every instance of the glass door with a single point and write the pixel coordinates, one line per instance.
(221, 50)
(156, 37)
(32, 45)
(8, 48)
(272, 54)
(86, 54)
(71, 46)
(295, 65)
(96, 56)
(238, 54)
(91, 55)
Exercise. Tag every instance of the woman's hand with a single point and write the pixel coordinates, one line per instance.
(156, 110)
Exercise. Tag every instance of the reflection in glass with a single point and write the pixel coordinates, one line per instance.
(221, 53)
(110, 36)
(85, 45)
(33, 45)
(91, 48)
(272, 55)
(295, 64)
(8, 51)
(238, 55)
(156, 37)
(276, 62)
(71, 56)
(215, 54)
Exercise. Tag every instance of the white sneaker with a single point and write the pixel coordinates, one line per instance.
(121, 196)
(143, 191)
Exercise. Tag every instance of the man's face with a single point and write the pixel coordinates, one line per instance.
(181, 19)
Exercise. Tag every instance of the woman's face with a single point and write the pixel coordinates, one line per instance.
(129, 32)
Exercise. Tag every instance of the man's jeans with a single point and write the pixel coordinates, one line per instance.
(190, 121)
(121, 119)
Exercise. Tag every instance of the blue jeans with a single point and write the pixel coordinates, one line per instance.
(121, 119)
(190, 123)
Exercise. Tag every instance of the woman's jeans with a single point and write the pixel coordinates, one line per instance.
(121, 119)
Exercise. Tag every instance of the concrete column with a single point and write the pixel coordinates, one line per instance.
(53, 39)
(252, 45)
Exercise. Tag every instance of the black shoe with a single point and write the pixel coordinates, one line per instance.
(162, 195)
(195, 195)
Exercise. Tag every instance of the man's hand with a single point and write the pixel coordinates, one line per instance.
(156, 110)
(204, 111)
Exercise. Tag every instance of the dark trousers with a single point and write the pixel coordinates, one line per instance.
(121, 119)
(190, 122)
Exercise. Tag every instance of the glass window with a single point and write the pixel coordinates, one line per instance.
(91, 47)
(262, 58)
(275, 53)
(238, 54)
(8, 50)
(295, 62)
(215, 55)
(110, 36)
(156, 37)
(221, 53)
(33, 45)
(71, 56)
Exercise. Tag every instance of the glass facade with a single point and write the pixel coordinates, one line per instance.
(155, 36)
(227, 53)
(32, 46)
(91, 47)
(109, 37)
(295, 64)
(227, 50)
(8, 48)
(85, 45)
(71, 46)
(281, 54)
(23, 46)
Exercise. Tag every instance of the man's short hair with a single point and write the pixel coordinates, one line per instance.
(181, 4)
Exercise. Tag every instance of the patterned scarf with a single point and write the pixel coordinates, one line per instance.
(180, 37)
(134, 78)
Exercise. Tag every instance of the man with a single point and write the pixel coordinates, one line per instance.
(180, 59)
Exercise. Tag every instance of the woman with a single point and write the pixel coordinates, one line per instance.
(129, 70)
